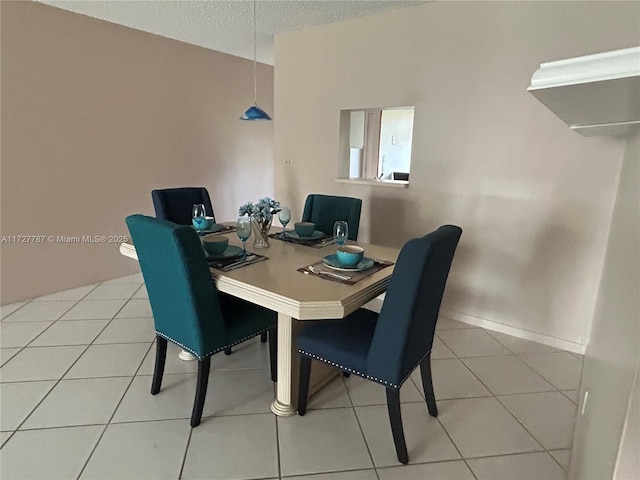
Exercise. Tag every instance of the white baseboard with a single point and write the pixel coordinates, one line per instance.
(376, 304)
(516, 332)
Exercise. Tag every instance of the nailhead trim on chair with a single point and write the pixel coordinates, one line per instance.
(200, 357)
(360, 374)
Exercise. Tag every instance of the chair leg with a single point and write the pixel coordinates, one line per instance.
(303, 384)
(427, 385)
(395, 418)
(161, 357)
(227, 351)
(263, 337)
(201, 390)
(273, 353)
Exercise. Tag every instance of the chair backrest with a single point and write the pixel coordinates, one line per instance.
(175, 204)
(407, 321)
(182, 294)
(325, 210)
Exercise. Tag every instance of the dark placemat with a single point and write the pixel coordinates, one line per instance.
(228, 264)
(315, 243)
(334, 275)
(226, 229)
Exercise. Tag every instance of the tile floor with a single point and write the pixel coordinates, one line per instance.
(76, 372)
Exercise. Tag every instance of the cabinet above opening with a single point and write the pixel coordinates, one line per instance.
(595, 94)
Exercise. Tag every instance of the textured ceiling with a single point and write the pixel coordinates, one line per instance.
(227, 26)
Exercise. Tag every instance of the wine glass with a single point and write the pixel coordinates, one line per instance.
(340, 232)
(284, 216)
(243, 229)
(198, 212)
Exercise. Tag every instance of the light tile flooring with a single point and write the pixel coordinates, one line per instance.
(76, 373)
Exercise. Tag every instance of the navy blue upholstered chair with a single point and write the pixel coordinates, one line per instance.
(387, 347)
(325, 210)
(187, 309)
(176, 204)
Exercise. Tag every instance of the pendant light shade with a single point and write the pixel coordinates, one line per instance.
(254, 112)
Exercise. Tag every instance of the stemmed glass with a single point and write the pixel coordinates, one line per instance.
(284, 215)
(340, 232)
(198, 212)
(243, 229)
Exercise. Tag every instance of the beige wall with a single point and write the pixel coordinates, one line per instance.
(94, 116)
(613, 355)
(534, 199)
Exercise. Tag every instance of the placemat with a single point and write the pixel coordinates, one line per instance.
(315, 243)
(334, 275)
(228, 264)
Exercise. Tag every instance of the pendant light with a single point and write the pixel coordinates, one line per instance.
(254, 112)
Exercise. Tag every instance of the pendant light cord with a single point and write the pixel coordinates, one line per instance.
(255, 41)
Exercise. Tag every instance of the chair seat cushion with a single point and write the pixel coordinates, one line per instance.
(243, 319)
(342, 343)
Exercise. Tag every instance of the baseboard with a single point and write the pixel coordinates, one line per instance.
(376, 304)
(516, 332)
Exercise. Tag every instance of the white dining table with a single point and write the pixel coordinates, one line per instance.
(298, 299)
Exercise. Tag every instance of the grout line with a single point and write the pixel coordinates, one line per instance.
(461, 360)
(521, 424)
(50, 325)
(515, 454)
(364, 437)
(570, 399)
(278, 445)
(113, 413)
(566, 470)
(330, 472)
(186, 452)
(278, 450)
(19, 308)
(65, 372)
(51, 389)
(11, 434)
(470, 469)
(449, 436)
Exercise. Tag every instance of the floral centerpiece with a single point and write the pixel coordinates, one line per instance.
(261, 215)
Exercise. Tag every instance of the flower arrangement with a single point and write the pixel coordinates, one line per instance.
(261, 214)
(262, 211)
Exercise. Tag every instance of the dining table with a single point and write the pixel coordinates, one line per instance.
(299, 298)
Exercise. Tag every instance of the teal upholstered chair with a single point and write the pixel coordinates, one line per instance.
(175, 205)
(385, 348)
(325, 210)
(187, 309)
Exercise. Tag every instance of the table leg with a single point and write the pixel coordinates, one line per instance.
(283, 404)
(186, 356)
(286, 401)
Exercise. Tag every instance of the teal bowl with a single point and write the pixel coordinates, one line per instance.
(305, 229)
(206, 224)
(215, 244)
(350, 255)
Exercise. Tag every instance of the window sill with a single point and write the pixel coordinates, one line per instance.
(374, 183)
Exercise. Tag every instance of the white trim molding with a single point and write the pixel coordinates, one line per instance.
(516, 332)
(374, 182)
(376, 304)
